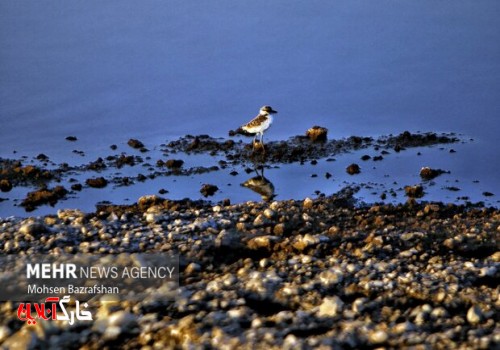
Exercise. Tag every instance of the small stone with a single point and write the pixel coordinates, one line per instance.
(333, 230)
(42, 157)
(112, 333)
(5, 185)
(208, 190)
(308, 203)
(331, 277)
(416, 191)
(259, 220)
(33, 229)
(147, 201)
(359, 305)
(192, 268)
(98, 182)
(135, 143)
(427, 173)
(330, 307)
(5, 332)
(174, 163)
(71, 138)
(403, 327)
(496, 255)
(76, 187)
(269, 213)
(152, 217)
(475, 315)
(264, 263)
(279, 229)
(377, 337)
(260, 242)
(317, 133)
(353, 169)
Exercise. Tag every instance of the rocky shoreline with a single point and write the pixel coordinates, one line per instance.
(328, 272)
(56, 182)
(315, 273)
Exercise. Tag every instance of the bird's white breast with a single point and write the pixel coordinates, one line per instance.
(261, 127)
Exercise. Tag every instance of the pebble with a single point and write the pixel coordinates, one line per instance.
(475, 314)
(330, 307)
(308, 203)
(377, 337)
(5, 332)
(275, 281)
(32, 229)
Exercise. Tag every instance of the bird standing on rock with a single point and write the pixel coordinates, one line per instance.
(260, 123)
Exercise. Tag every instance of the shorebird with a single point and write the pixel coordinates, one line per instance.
(260, 123)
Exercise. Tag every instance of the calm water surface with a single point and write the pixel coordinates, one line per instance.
(157, 70)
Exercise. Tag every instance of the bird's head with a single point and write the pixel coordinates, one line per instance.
(267, 110)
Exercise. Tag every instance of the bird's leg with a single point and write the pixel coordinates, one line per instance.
(253, 143)
(262, 143)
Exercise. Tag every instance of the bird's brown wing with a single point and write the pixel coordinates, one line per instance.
(256, 121)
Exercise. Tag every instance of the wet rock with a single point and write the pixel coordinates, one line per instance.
(124, 160)
(134, 143)
(5, 185)
(416, 191)
(488, 194)
(353, 169)
(407, 139)
(147, 201)
(174, 163)
(317, 133)
(43, 196)
(366, 157)
(208, 190)
(427, 173)
(76, 187)
(71, 138)
(97, 165)
(97, 182)
(42, 157)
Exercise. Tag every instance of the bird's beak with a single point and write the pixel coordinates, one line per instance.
(273, 111)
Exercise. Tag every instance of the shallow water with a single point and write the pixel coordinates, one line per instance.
(156, 70)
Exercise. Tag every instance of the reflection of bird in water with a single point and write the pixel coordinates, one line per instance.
(260, 123)
(259, 184)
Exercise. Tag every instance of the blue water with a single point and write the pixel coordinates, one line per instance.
(106, 71)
